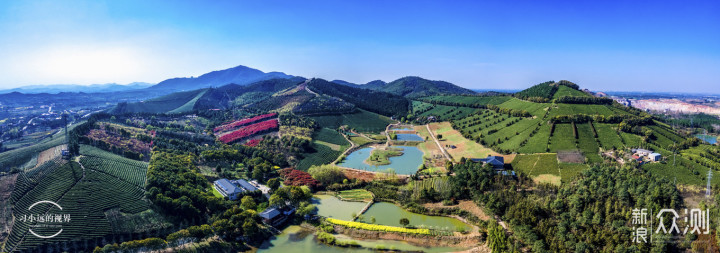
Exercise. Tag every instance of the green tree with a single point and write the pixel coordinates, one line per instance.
(273, 183)
(404, 222)
(327, 174)
(497, 239)
(248, 203)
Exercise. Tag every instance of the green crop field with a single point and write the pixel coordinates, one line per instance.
(362, 121)
(563, 138)
(609, 137)
(323, 155)
(537, 143)
(567, 91)
(536, 109)
(360, 195)
(440, 185)
(468, 100)
(108, 182)
(540, 167)
(447, 113)
(330, 136)
(573, 109)
(128, 170)
(587, 143)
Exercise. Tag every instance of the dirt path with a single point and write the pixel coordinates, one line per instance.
(352, 146)
(442, 150)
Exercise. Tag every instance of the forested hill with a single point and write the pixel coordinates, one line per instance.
(414, 87)
(315, 97)
(239, 75)
(375, 101)
(208, 98)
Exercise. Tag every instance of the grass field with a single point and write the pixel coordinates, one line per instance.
(538, 143)
(540, 167)
(362, 121)
(323, 155)
(536, 109)
(360, 195)
(330, 136)
(359, 140)
(567, 91)
(464, 147)
(587, 143)
(563, 138)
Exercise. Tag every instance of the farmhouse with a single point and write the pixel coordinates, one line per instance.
(655, 157)
(497, 162)
(642, 152)
(276, 216)
(232, 188)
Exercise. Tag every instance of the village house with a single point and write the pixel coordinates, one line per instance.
(232, 188)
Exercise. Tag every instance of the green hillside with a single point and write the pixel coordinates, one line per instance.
(414, 87)
(586, 126)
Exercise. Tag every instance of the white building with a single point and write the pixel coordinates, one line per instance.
(655, 157)
(232, 188)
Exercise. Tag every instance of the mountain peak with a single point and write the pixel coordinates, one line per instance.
(241, 75)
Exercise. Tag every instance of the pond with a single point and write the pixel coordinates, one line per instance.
(406, 164)
(297, 239)
(390, 214)
(708, 138)
(402, 129)
(409, 137)
(330, 206)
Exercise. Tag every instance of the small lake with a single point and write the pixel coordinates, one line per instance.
(330, 206)
(390, 214)
(409, 137)
(402, 129)
(406, 164)
(708, 138)
(296, 239)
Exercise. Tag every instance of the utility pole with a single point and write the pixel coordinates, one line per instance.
(708, 192)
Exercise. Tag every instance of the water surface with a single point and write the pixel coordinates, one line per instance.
(406, 164)
(708, 138)
(390, 214)
(409, 137)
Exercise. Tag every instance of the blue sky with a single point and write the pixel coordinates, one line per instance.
(601, 45)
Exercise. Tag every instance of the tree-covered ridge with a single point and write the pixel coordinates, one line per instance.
(540, 93)
(414, 87)
(590, 214)
(374, 101)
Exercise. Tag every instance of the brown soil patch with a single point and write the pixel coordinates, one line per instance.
(360, 175)
(422, 240)
(50, 154)
(7, 185)
(570, 156)
(466, 205)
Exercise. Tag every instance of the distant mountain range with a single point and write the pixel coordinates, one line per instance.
(93, 88)
(411, 87)
(239, 75)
